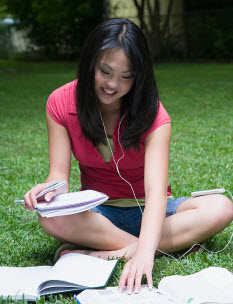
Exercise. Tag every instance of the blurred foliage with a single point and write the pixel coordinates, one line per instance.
(57, 27)
(211, 36)
(207, 4)
(209, 29)
(5, 44)
(3, 8)
(204, 30)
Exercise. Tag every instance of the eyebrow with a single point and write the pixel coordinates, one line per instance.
(112, 69)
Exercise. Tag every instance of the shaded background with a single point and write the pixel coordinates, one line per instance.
(175, 29)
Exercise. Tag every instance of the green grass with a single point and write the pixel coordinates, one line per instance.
(199, 99)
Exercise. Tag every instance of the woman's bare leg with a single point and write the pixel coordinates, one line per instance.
(88, 229)
(196, 220)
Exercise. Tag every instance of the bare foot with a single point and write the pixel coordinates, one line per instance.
(125, 253)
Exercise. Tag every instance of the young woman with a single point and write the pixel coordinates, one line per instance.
(114, 107)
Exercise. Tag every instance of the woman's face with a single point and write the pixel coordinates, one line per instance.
(113, 77)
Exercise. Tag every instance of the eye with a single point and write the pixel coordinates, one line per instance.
(104, 72)
(126, 77)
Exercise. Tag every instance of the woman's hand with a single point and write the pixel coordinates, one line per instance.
(30, 197)
(141, 263)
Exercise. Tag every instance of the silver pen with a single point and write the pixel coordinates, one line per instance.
(48, 189)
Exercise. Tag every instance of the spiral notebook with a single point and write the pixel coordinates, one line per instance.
(70, 203)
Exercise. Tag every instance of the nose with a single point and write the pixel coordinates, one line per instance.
(112, 83)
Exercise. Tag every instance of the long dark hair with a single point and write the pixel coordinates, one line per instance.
(140, 103)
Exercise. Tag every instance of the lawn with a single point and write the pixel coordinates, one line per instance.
(199, 100)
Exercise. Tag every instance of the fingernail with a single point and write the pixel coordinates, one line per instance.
(150, 287)
(135, 290)
(129, 292)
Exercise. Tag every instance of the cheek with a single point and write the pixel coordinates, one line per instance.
(128, 86)
(98, 79)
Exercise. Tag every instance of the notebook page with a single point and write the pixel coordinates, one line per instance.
(82, 270)
(213, 284)
(110, 295)
(16, 281)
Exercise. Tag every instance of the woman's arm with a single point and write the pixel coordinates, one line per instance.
(156, 180)
(59, 151)
(59, 163)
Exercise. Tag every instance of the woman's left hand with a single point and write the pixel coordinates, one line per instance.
(141, 263)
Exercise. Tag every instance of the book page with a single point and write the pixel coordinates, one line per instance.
(213, 284)
(57, 289)
(16, 281)
(82, 270)
(110, 295)
(54, 286)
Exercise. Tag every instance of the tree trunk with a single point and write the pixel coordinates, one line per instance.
(154, 30)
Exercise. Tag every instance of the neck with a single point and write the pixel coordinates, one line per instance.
(110, 109)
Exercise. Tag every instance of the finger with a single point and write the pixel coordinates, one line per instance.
(138, 280)
(123, 277)
(131, 279)
(30, 196)
(28, 204)
(34, 192)
(48, 196)
(149, 279)
(33, 199)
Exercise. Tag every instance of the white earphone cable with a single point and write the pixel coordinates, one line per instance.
(116, 162)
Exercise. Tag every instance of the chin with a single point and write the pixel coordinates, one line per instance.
(108, 101)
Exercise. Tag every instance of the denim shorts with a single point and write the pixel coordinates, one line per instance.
(129, 218)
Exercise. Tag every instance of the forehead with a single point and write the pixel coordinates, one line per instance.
(115, 58)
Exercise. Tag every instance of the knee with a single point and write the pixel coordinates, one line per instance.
(53, 226)
(222, 209)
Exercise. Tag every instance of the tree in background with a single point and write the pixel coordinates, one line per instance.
(57, 27)
(200, 29)
(154, 26)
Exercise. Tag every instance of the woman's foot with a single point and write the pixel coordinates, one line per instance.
(66, 247)
(126, 253)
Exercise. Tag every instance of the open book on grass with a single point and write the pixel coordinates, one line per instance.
(73, 271)
(70, 203)
(211, 285)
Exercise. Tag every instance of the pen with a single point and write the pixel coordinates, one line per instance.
(48, 189)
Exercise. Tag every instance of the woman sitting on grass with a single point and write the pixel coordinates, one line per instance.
(116, 92)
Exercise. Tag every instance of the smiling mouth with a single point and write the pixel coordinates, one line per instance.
(108, 92)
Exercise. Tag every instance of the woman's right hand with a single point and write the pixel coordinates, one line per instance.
(30, 197)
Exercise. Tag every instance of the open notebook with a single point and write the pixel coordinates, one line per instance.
(72, 272)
